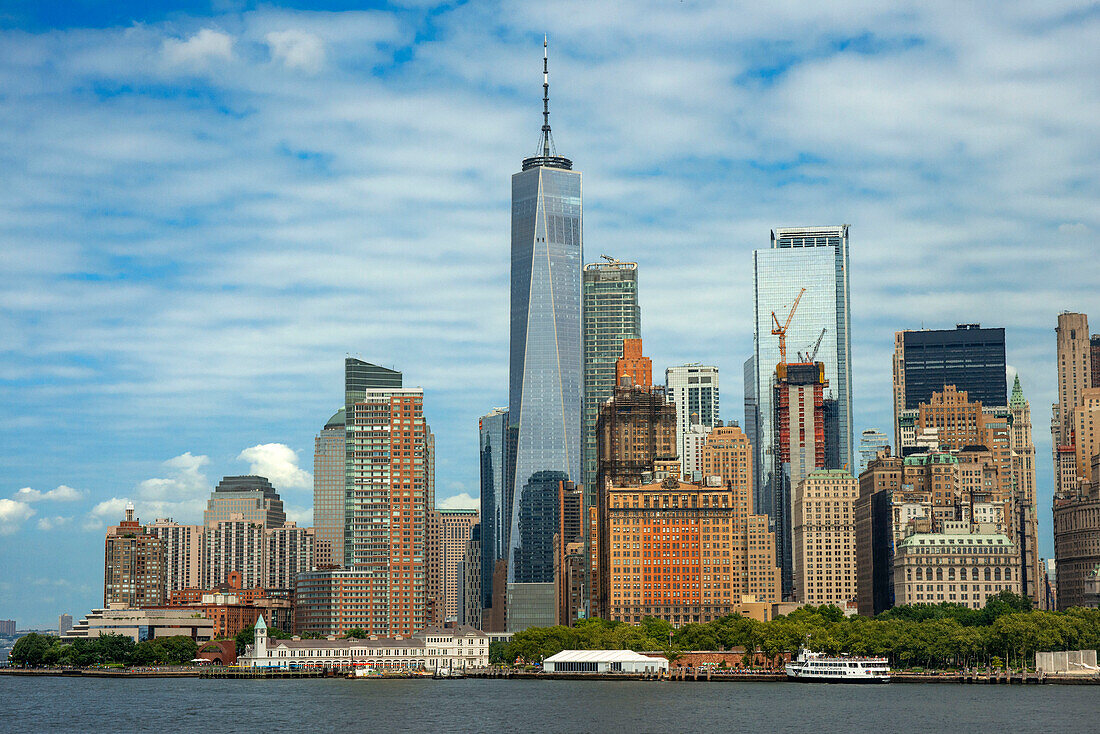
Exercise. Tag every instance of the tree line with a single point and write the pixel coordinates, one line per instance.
(35, 649)
(1007, 631)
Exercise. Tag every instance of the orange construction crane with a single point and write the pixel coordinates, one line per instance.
(781, 331)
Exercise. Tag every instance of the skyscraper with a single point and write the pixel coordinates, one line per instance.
(1074, 360)
(871, 442)
(799, 446)
(694, 389)
(134, 571)
(545, 384)
(183, 552)
(248, 498)
(814, 258)
(969, 357)
(496, 502)
(1023, 458)
(611, 314)
(389, 463)
(328, 492)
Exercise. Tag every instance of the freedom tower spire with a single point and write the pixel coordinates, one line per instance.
(545, 371)
(546, 154)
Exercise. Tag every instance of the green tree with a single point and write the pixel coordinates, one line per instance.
(357, 634)
(31, 649)
(175, 650)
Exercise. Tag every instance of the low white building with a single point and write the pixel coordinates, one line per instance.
(603, 661)
(143, 624)
(432, 649)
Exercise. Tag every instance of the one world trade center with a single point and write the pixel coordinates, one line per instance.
(545, 381)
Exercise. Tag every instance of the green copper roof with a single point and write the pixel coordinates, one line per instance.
(1017, 398)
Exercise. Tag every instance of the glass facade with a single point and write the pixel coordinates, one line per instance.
(611, 314)
(871, 442)
(969, 357)
(814, 258)
(545, 371)
(328, 492)
(496, 505)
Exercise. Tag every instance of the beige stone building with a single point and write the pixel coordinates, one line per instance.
(1074, 377)
(957, 567)
(823, 522)
(1077, 546)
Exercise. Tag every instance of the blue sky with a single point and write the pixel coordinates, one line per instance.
(208, 205)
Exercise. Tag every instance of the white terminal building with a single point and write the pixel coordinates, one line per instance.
(430, 650)
(603, 661)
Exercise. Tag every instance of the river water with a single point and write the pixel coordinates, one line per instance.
(429, 706)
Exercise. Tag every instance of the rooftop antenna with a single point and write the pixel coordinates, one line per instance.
(547, 138)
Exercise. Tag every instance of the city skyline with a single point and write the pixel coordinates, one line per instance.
(196, 318)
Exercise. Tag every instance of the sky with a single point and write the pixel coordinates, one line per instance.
(208, 205)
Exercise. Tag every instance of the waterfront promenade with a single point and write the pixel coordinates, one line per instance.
(675, 675)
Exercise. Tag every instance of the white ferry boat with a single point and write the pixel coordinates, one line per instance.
(814, 667)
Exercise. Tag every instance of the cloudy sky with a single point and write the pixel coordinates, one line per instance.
(206, 207)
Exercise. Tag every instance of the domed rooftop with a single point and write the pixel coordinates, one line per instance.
(336, 421)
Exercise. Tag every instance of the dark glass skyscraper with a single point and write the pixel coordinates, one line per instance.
(545, 369)
(496, 502)
(969, 357)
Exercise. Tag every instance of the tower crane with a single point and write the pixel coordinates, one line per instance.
(812, 354)
(781, 331)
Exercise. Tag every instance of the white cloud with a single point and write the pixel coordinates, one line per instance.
(207, 44)
(185, 480)
(301, 515)
(461, 501)
(49, 523)
(62, 493)
(297, 49)
(279, 463)
(107, 512)
(12, 515)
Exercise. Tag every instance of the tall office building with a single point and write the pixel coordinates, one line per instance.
(799, 446)
(824, 538)
(969, 357)
(694, 389)
(871, 442)
(388, 463)
(1075, 376)
(469, 602)
(1023, 457)
(329, 449)
(183, 553)
(134, 571)
(814, 258)
(248, 498)
(545, 384)
(450, 536)
(64, 623)
(636, 443)
(496, 509)
(611, 314)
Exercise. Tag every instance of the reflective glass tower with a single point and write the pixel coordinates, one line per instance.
(496, 504)
(545, 382)
(814, 258)
(611, 314)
